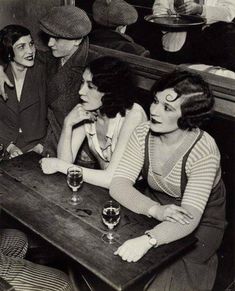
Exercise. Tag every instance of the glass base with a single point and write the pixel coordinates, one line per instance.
(110, 237)
(75, 200)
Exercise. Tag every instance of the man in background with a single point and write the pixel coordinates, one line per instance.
(113, 17)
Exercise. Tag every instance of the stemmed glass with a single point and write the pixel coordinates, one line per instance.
(110, 217)
(177, 4)
(75, 180)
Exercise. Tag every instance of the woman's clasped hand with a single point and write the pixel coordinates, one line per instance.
(170, 212)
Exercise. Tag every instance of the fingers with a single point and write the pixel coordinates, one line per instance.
(183, 210)
(15, 154)
(9, 83)
(174, 213)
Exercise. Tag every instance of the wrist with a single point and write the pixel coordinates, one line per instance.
(154, 211)
(152, 241)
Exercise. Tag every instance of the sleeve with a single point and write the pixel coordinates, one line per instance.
(127, 172)
(202, 168)
(222, 10)
(162, 6)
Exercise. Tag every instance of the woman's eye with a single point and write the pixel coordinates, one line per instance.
(31, 43)
(20, 47)
(167, 108)
(155, 101)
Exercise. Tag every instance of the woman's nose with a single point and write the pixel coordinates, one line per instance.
(82, 90)
(154, 108)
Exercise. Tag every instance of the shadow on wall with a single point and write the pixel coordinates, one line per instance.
(26, 13)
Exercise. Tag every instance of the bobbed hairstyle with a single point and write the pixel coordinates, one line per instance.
(8, 36)
(113, 77)
(198, 103)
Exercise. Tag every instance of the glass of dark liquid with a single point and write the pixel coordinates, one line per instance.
(110, 217)
(75, 180)
(177, 4)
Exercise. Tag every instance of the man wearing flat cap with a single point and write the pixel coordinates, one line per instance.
(67, 28)
(113, 16)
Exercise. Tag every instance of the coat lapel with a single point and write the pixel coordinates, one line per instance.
(28, 96)
(12, 102)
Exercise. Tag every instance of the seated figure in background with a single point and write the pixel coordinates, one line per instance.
(24, 275)
(113, 16)
(107, 103)
(181, 166)
(23, 121)
(214, 44)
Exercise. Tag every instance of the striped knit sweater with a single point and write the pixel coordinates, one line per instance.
(202, 170)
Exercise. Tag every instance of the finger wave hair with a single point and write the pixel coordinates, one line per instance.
(113, 77)
(199, 101)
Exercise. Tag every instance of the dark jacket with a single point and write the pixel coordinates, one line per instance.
(29, 115)
(63, 84)
(118, 41)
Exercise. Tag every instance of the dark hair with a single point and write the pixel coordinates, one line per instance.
(113, 77)
(195, 108)
(8, 36)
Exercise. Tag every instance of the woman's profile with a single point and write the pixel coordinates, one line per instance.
(107, 104)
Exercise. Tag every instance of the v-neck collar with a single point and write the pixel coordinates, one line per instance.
(186, 143)
(91, 130)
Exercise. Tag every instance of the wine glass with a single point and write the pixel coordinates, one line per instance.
(177, 4)
(75, 180)
(110, 217)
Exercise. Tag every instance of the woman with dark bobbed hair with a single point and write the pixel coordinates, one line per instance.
(110, 114)
(23, 120)
(185, 192)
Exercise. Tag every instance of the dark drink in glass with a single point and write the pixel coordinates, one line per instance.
(75, 180)
(110, 217)
(177, 4)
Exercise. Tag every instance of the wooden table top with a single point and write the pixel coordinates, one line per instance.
(40, 202)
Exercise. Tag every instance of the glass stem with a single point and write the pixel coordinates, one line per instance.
(74, 196)
(110, 234)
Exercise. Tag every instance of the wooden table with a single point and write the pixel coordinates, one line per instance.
(40, 202)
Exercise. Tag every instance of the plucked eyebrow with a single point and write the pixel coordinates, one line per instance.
(168, 105)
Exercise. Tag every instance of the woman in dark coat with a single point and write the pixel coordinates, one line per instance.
(23, 116)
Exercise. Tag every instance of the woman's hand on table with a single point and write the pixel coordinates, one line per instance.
(49, 165)
(170, 212)
(14, 151)
(77, 115)
(134, 249)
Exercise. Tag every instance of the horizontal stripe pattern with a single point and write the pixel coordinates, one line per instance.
(202, 168)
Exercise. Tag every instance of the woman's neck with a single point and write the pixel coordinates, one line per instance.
(18, 71)
(173, 138)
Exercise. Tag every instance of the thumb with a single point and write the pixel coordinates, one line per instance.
(8, 82)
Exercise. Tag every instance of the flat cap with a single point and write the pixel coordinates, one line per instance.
(113, 13)
(68, 22)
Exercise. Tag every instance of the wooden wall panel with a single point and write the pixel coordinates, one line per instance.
(27, 13)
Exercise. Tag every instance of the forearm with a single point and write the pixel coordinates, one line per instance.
(101, 178)
(64, 149)
(122, 190)
(166, 232)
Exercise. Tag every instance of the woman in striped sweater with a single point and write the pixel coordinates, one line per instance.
(181, 164)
